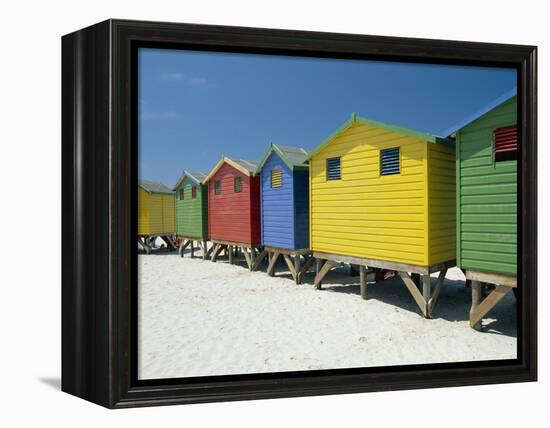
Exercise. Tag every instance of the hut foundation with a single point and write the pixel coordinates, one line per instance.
(201, 244)
(145, 242)
(252, 253)
(425, 299)
(298, 261)
(480, 305)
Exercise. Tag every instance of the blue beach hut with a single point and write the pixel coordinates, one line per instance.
(284, 197)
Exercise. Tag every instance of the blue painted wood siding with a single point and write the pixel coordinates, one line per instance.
(277, 206)
(285, 209)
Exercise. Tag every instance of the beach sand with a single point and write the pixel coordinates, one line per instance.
(198, 318)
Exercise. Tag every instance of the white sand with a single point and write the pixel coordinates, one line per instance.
(198, 318)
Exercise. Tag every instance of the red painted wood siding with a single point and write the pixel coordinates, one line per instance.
(234, 216)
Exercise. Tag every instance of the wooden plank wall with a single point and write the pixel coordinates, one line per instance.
(487, 196)
(365, 214)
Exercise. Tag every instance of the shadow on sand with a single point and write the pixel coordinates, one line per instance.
(453, 304)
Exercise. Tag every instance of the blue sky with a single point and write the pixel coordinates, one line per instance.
(194, 106)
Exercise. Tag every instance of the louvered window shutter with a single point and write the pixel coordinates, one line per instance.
(505, 143)
(276, 178)
(238, 184)
(333, 169)
(389, 161)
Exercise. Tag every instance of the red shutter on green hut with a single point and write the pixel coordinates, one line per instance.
(505, 143)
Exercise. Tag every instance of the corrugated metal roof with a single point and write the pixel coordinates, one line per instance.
(249, 165)
(485, 109)
(154, 187)
(297, 156)
(196, 177)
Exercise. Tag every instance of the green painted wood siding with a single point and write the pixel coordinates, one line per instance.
(191, 214)
(486, 196)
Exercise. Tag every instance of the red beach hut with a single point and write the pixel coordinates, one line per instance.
(234, 209)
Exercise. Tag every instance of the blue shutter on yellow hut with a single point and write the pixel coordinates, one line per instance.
(389, 161)
(333, 169)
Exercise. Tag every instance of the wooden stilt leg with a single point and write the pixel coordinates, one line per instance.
(291, 267)
(363, 281)
(327, 266)
(148, 245)
(181, 249)
(215, 253)
(192, 248)
(247, 258)
(252, 258)
(438, 286)
(476, 300)
(259, 259)
(230, 254)
(297, 266)
(204, 250)
(477, 314)
(305, 268)
(426, 291)
(272, 262)
(413, 289)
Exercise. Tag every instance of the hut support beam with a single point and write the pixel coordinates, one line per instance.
(297, 266)
(259, 259)
(413, 289)
(305, 268)
(183, 245)
(230, 254)
(426, 287)
(273, 260)
(217, 250)
(147, 243)
(291, 267)
(208, 252)
(363, 281)
(168, 241)
(141, 244)
(481, 308)
(327, 266)
(205, 251)
(439, 284)
(248, 258)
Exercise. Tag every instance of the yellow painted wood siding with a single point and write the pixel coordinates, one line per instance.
(169, 213)
(365, 214)
(143, 212)
(156, 213)
(441, 203)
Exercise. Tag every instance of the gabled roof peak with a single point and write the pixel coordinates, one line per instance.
(247, 167)
(293, 157)
(154, 187)
(355, 118)
(195, 177)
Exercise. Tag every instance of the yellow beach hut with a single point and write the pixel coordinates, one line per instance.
(383, 197)
(156, 214)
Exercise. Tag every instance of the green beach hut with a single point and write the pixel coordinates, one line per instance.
(191, 212)
(486, 194)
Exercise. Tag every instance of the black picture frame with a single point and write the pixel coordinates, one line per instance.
(99, 172)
